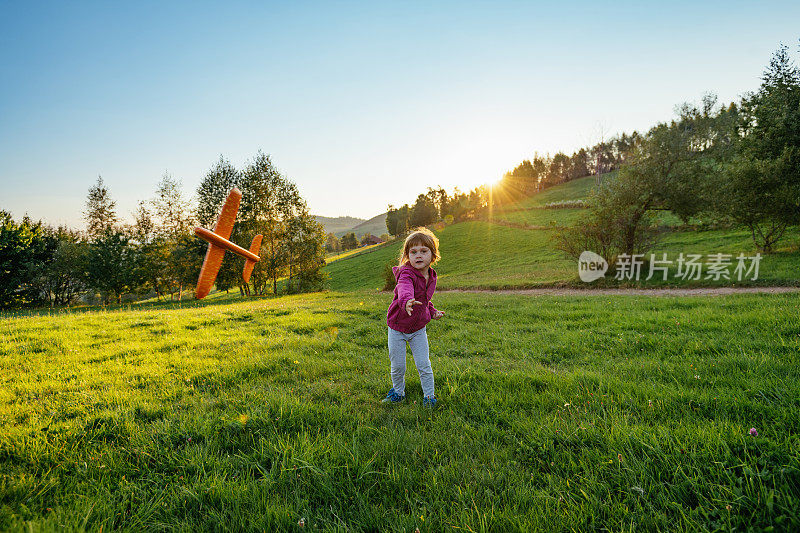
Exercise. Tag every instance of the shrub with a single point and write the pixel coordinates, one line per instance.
(389, 280)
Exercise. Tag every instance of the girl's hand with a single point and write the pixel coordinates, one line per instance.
(410, 305)
(438, 315)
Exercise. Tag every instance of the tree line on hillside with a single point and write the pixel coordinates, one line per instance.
(735, 164)
(436, 205)
(541, 172)
(349, 241)
(158, 255)
(529, 177)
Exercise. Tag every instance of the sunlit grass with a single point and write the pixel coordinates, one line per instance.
(515, 248)
(586, 412)
(492, 256)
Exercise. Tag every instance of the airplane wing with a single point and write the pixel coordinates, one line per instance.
(214, 255)
(209, 271)
(226, 219)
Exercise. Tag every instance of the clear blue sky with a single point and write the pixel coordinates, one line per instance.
(361, 104)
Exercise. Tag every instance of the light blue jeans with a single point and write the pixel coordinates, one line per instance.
(397, 355)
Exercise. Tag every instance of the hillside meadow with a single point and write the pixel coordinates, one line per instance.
(515, 248)
(556, 413)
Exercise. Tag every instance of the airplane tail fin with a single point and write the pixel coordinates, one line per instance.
(249, 264)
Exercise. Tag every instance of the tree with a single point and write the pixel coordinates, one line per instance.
(211, 195)
(153, 252)
(619, 222)
(763, 186)
(171, 209)
(349, 241)
(306, 257)
(100, 214)
(172, 233)
(522, 181)
(272, 206)
(557, 170)
(423, 213)
(439, 199)
(112, 265)
(261, 212)
(578, 165)
(24, 249)
(397, 220)
(332, 243)
(213, 190)
(365, 238)
(671, 169)
(61, 279)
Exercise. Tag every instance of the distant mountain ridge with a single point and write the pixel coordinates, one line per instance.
(340, 226)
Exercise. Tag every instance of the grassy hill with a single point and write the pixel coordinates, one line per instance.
(514, 248)
(338, 225)
(375, 226)
(256, 414)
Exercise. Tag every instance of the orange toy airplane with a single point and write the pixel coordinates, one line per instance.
(218, 242)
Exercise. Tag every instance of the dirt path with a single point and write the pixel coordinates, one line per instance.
(710, 291)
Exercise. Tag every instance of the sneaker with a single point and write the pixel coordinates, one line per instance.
(393, 397)
(429, 401)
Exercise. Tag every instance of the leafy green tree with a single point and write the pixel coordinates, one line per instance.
(153, 252)
(619, 222)
(332, 243)
(520, 182)
(61, 279)
(762, 191)
(557, 170)
(261, 213)
(213, 190)
(349, 241)
(112, 265)
(171, 209)
(306, 256)
(24, 249)
(100, 214)
(578, 165)
(540, 165)
(272, 206)
(423, 212)
(211, 195)
(186, 259)
(439, 199)
(173, 224)
(397, 220)
(671, 169)
(391, 219)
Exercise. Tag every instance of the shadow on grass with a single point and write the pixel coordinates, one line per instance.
(148, 305)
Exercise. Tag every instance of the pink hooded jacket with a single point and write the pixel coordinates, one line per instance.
(411, 284)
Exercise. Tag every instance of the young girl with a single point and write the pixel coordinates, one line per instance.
(410, 311)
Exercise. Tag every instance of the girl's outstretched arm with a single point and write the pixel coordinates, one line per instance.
(405, 288)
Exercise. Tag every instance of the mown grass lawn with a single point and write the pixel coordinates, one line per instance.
(556, 413)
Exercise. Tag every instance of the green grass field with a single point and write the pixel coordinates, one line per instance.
(567, 413)
(492, 256)
(556, 413)
(515, 248)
